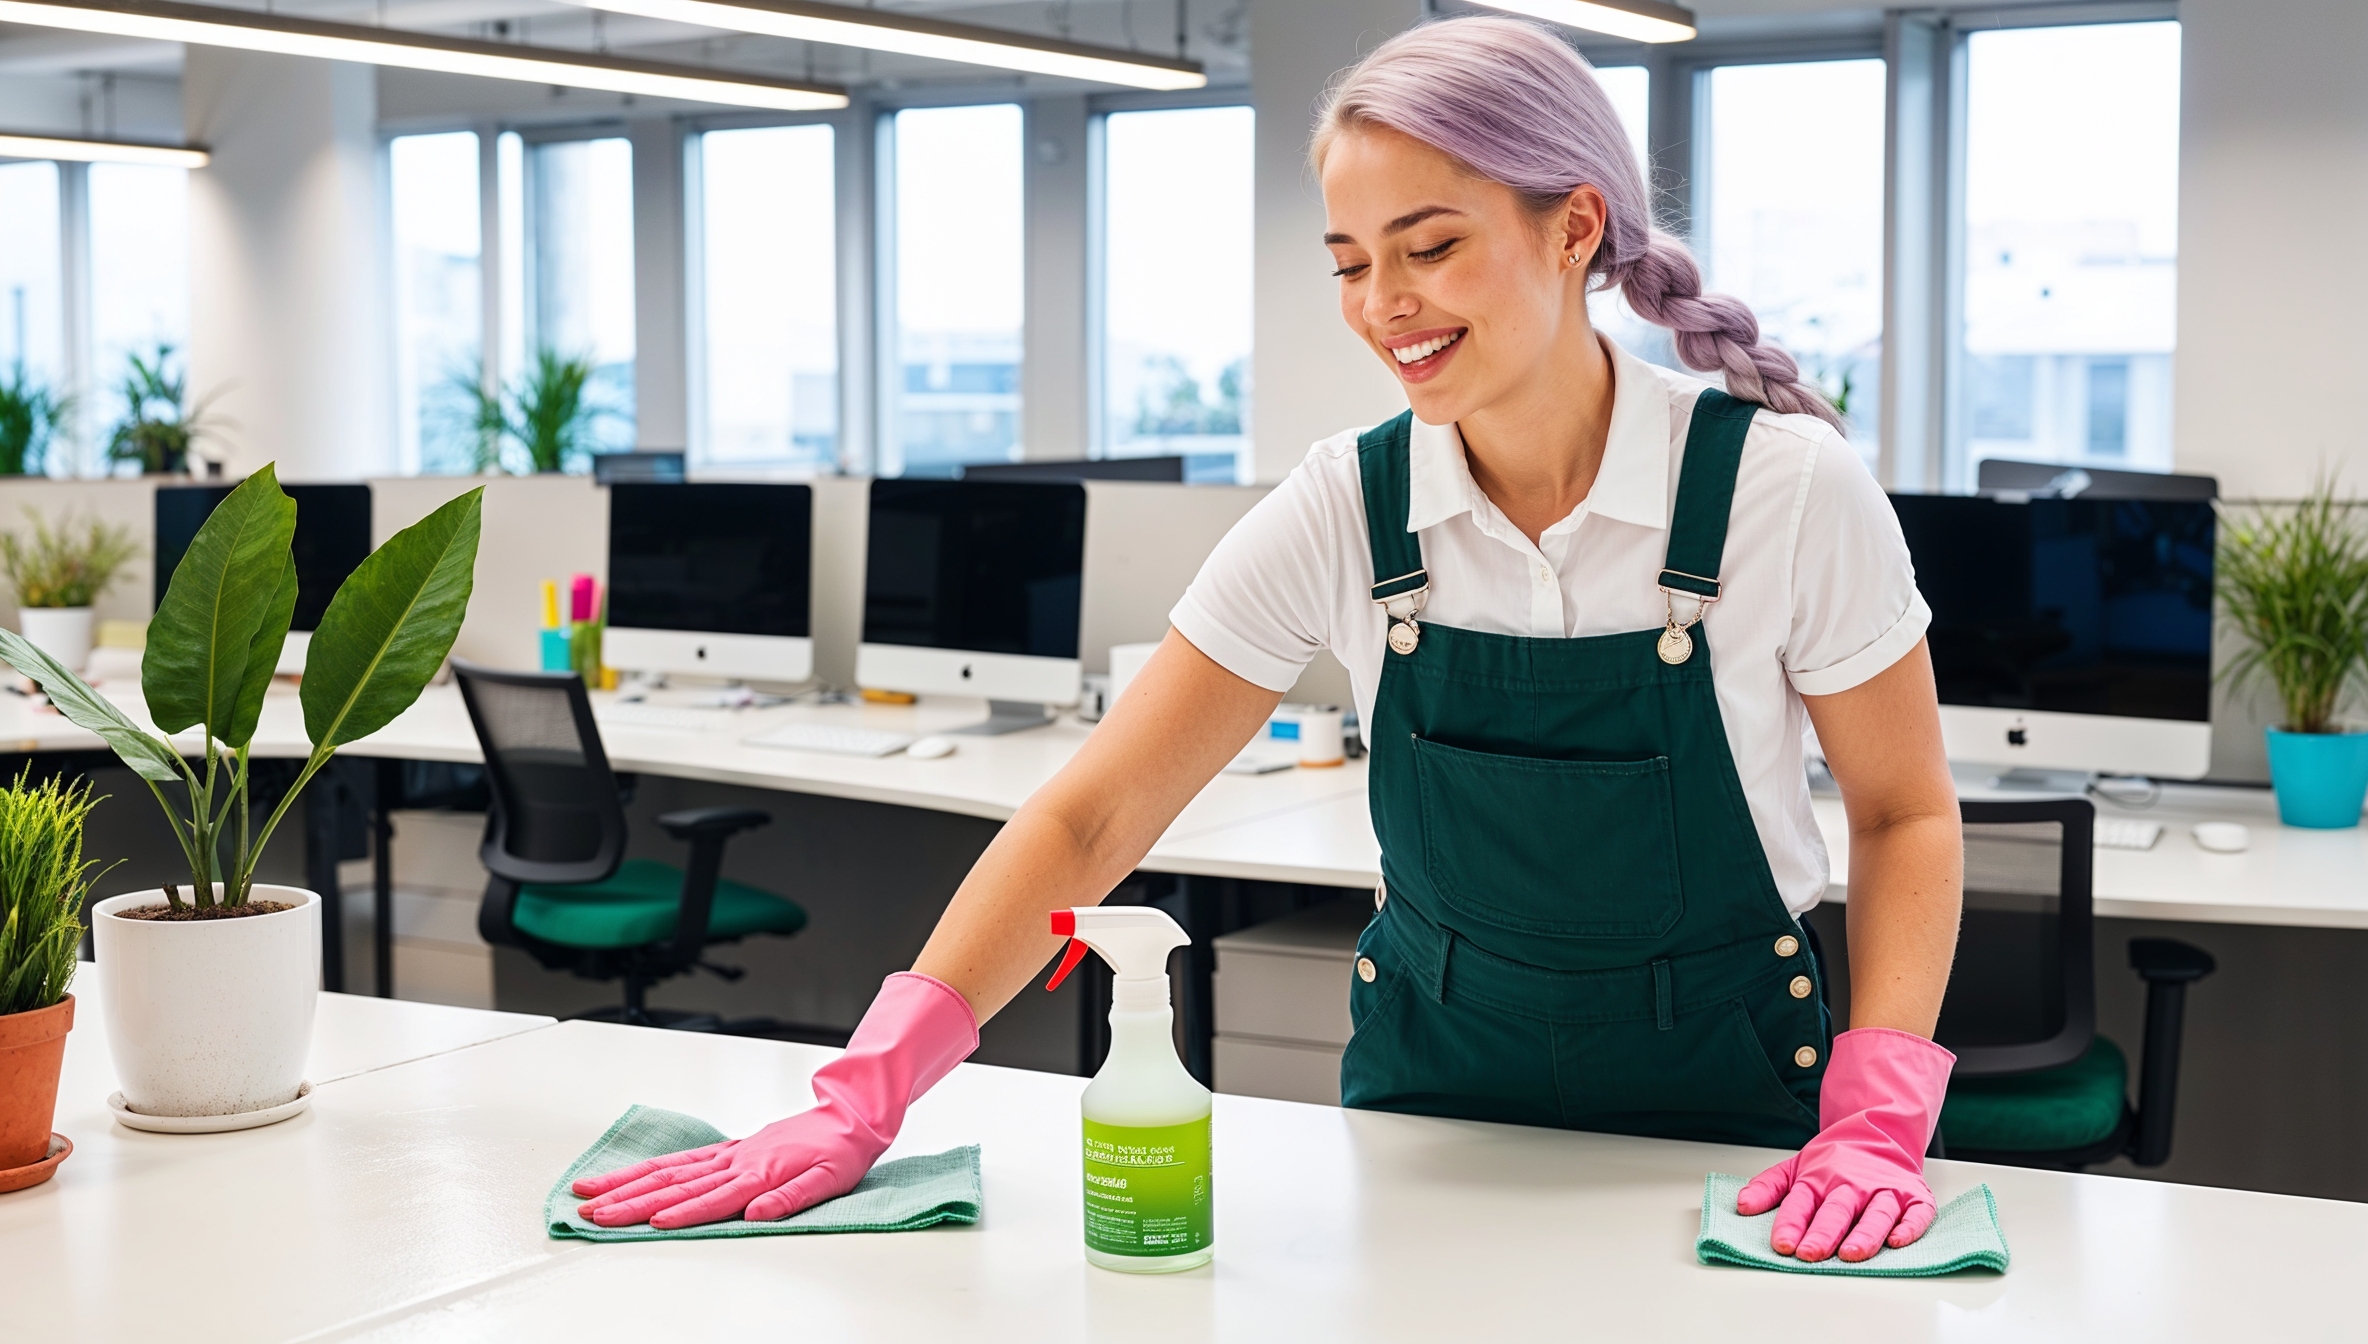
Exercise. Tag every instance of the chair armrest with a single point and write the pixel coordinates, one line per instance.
(691, 823)
(2168, 966)
(2169, 961)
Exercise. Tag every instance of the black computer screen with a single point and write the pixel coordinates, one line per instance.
(2072, 605)
(725, 559)
(332, 537)
(979, 566)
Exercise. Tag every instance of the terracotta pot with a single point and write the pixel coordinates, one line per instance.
(32, 1049)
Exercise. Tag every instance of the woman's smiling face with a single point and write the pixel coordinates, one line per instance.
(1458, 287)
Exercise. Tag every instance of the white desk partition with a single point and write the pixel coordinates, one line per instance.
(406, 1205)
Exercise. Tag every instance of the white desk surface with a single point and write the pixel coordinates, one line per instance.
(406, 1205)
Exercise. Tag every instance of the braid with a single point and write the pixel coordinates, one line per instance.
(1715, 331)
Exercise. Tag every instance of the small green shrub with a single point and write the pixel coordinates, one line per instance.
(60, 566)
(43, 884)
(30, 415)
(2293, 582)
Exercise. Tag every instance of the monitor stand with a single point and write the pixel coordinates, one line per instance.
(1008, 716)
(2020, 780)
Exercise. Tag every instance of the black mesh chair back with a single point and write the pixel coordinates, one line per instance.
(2022, 995)
(556, 816)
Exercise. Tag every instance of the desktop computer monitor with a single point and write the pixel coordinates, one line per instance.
(711, 580)
(332, 537)
(973, 588)
(2069, 635)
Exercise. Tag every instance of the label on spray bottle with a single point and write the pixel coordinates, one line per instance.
(1147, 1188)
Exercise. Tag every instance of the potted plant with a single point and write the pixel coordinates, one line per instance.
(209, 992)
(548, 414)
(157, 430)
(30, 415)
(43, 882)
(2294, 586)
(58, 572)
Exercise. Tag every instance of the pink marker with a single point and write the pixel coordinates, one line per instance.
(579, 600)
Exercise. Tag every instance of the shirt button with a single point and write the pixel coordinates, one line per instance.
(1381, 894)
(1787, 945)
(1800, 986)
(1806, 1056)
(1365, 970)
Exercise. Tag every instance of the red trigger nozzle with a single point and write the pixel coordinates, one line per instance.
(1069, 959)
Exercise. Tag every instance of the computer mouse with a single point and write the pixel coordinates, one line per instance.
(2223, 837)
(930, 748)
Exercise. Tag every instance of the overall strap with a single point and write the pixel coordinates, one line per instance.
(1397, 553)
(1705, 491)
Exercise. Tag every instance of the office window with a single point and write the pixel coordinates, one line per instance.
(439, 298)
(955, 279)
(2071, 246)
(139, 279)
(32, 324)
(1176, 287)
(580, 258)
(769, 361)
(1788, 215)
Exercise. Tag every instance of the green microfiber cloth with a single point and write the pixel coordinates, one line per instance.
(1964, 1236)
(899, 1196)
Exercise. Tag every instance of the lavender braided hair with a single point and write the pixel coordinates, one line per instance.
(1515, 105)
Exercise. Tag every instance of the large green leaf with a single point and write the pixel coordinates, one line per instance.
(263, 658)
(391, 624)
(199, 644)
(148, 757)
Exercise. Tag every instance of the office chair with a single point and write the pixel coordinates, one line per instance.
(2035, 1085)
(561, 888)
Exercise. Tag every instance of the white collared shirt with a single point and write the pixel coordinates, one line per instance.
(1818, 592)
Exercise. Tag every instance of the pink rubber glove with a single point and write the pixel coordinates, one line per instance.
(916, 1031)
(1859, 1185)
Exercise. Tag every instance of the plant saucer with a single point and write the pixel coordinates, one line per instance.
(34, 1173)
(208, 1124)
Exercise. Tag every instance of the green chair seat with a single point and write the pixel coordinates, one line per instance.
(2064, 1109)
(635, 907)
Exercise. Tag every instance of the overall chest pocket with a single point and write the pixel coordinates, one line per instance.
(1574, 849)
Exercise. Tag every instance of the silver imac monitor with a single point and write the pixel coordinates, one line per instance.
(711, 580)
(973, 588)
(2069, 636)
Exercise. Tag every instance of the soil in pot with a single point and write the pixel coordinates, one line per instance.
(189, 913)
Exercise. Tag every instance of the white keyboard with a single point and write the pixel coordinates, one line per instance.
(836, 739)
(2122, 833)
(632, 714)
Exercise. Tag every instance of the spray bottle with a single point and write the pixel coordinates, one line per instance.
(1148, 1205)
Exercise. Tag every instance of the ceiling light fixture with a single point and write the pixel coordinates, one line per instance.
(878, 30)
(1636, 20)
(100, 151)
(249, 30)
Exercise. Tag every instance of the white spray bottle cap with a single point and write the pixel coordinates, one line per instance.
(1134, 939)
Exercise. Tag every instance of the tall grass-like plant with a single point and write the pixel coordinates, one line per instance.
(550, 415)
(61, 566)
(2293, 581)
(30, 416)
(216, 638)
(43, 884)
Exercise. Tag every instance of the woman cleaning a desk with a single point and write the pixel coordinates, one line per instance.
(1588, 606)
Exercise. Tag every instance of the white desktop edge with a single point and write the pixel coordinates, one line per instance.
(2104, 743)
(696, 653)
(997, 676)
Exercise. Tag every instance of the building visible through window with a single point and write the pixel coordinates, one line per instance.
(768, 267)
(953, 389)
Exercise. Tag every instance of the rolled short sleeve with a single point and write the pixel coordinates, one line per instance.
(1855, 608)
(1260, 605)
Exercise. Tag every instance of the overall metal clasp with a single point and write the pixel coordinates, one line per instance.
(1675, 645)
(1403, 607)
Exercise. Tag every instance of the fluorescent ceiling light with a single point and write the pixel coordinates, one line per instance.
(844, 26)
(248, 30)
(99, 151)
(1636, 20)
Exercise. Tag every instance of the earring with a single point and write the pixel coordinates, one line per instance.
(1574, 258)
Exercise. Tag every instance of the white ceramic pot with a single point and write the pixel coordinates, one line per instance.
(61, 632)
(209, 1017)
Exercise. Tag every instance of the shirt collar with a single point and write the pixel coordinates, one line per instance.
(1632, 484)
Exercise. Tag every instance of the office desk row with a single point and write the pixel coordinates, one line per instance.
(405, 1205)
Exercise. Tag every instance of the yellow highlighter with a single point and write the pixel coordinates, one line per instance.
(550, 604)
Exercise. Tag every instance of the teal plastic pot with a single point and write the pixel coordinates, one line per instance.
(2321, 778)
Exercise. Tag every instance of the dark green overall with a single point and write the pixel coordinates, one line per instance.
(1577, 926)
